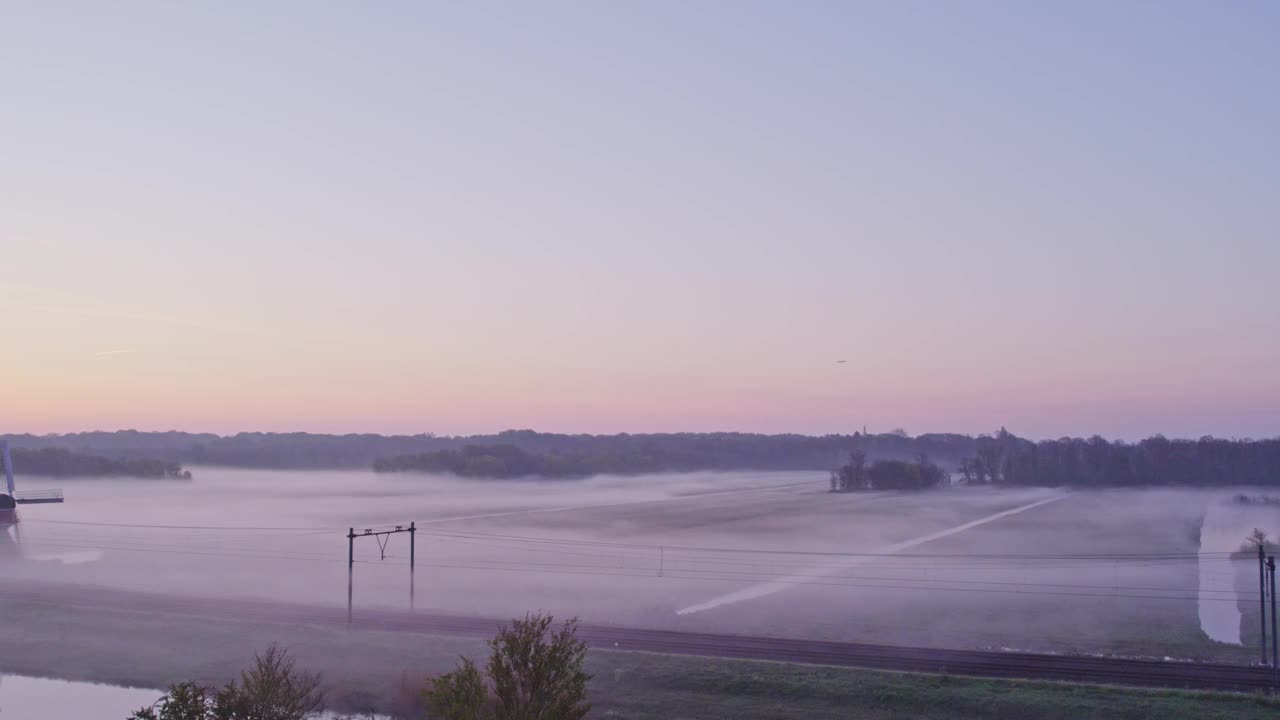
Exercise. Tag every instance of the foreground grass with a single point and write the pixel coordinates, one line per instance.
(370, 671)
(640, 685)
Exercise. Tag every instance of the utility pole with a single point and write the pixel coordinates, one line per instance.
(1275, 646)
(1262, 597)
(351, 566)
(382, 537)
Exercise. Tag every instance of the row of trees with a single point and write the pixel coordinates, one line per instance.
(1096, 462)
(662, 451)
(61, 462)
(509, 461)
(1002, 458)
(533, 673)
(887, 474)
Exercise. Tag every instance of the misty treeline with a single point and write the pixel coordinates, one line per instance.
(1002, 458)
(857, 474)
(61, 462)
(1009, 460)
(659, 451)
(509, 461)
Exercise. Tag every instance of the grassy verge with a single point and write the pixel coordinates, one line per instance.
(636, 685)
(367, 671)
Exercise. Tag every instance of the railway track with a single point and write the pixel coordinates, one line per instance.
(978, 663)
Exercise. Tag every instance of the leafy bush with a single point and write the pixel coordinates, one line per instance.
(532, 674)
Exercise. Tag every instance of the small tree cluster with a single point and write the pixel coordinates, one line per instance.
(1259, 539)
(852, 475)
(886, 475)
(532, 674)
(273, 689)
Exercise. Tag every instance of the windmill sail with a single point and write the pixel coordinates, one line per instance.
(8, 466)
(29, 497)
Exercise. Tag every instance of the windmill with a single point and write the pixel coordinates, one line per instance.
(10, 500)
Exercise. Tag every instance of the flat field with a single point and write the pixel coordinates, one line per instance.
(384, 672)
(1112, 572)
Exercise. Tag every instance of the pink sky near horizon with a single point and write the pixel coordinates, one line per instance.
(449, 218)
(197, 379)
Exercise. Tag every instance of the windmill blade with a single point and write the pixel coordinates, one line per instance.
(30, 497)
(37, 497)
(8, 465)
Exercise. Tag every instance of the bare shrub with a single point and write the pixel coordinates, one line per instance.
(273, 689)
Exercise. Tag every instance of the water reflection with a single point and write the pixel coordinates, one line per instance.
(26, 698)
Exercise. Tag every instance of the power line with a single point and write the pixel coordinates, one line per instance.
(719, 575)
(1147, 556)
(675, 563)
(180, 527)
(821, 553)
(131, 548)
(699, 572)
(787, 581)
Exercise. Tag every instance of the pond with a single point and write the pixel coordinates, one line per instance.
(25, 698)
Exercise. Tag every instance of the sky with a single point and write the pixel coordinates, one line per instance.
(1058, 217)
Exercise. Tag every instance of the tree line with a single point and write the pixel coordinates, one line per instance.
(1001, 458)
(509, 461)
(664, 451)
(1096, 462)
(61, 462)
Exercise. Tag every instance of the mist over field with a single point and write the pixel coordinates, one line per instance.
(765, 553)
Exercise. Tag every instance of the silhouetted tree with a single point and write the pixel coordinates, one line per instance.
(272, 689)
(533, 674)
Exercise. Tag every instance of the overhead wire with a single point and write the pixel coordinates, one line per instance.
(708, 563)
(650, 546)
(729, 576)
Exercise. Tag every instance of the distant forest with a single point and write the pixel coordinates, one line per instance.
(509, 461)
(1002, 458)
(662, 451)
(61, 462)
(1009, 460)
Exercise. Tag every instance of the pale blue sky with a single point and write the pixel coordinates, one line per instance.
(1060, 217)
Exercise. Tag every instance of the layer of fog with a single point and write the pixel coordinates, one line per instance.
(635, 550)
(785, 582)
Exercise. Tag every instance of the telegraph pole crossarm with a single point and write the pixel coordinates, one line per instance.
(382, 537)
